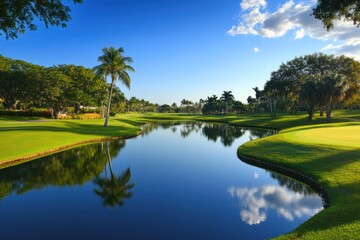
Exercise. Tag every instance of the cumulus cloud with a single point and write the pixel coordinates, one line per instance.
(255, 202)
(246, 4)
(256, 49)
(255, 19)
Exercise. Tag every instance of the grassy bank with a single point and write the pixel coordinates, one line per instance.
(330, 154)
(327, 152)
(29, 137)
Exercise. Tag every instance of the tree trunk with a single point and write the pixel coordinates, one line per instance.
(102, 109)
(106, 124)
(271, 109)
(328, 112)
(310, 112)
(226, 106)
(321, 110)
(274, 108)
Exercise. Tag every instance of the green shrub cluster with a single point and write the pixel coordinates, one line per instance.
(82, 116)
(27, 113)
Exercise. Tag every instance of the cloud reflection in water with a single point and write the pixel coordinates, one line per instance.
(255, 202)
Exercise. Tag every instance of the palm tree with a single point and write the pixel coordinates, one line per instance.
(114, 64)
(227, 97)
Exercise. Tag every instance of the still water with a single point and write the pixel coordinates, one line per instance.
(176, 181)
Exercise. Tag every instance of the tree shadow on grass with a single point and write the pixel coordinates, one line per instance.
(78, 128)
(131, 122)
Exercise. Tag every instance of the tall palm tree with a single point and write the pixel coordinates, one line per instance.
(227, 97)
(115, 65)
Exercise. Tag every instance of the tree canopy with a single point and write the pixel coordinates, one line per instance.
(18, 16)
(329, 10)
(315, 80)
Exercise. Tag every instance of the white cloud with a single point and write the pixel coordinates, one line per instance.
(256, 175)
(296, 17)
(256, 49)
(299, 34)
(255, 202)
(246, 4)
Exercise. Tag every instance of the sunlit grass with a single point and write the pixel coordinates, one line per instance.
(327, 152)
(330, 154)
(22, 138)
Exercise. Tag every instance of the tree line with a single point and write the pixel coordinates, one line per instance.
(311, 82)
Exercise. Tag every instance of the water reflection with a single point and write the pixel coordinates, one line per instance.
(72, 167)
(167, 179)
(292, 184)
(115, 189)
(289, 204)
(227, 134)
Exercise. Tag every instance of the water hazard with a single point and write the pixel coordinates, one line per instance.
(175, 181)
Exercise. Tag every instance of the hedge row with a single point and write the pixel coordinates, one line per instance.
(81, 116)
(26, 113)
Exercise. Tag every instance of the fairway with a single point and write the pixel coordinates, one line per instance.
(344, 136)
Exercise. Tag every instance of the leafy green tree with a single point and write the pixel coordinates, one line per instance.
(165, 108)
(226, 97)
(212, 105)
(292, 80)
(18, 81)
(84, 85)
(187, 106)
(330, 10)
(174, 107)
(308, 95)
(18, 16)
(334, 90)
(57, 90)
(118, 101)
(115, 65)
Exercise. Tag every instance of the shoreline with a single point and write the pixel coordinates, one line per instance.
(16, 161)
(298, 176)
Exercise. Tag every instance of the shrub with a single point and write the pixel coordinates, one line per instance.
(81, 116)
(27, 113)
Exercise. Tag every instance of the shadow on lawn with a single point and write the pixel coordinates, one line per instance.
(79, 128)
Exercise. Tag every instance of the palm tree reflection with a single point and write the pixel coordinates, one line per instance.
(115, 189)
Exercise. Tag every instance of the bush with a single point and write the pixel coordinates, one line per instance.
(27, 113)
(81, 116)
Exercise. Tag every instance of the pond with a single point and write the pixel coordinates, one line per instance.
(175, 181)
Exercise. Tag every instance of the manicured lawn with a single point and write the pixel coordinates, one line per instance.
(327, 152)
(330, 154)
(23, 137)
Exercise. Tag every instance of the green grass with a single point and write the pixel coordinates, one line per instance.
(330, 154)
(24, 137)
(327, 152)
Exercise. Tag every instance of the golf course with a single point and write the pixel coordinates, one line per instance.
(328, 153)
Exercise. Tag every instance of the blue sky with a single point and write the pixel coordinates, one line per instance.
(186, 48)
